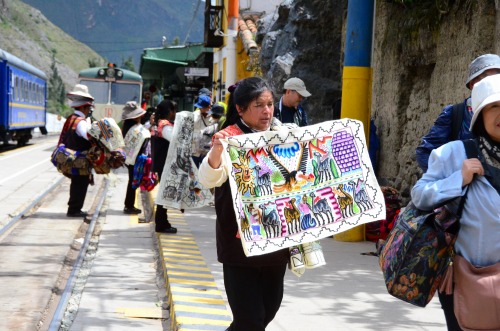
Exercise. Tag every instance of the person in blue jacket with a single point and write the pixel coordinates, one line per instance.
(441, 132)
(450, 172)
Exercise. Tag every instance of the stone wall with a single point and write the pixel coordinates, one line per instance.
(414, 78)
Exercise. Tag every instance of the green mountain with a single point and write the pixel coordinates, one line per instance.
(29, 35)
(120, 29)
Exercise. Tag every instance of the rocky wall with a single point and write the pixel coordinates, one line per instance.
(414, 78)
(303, 40)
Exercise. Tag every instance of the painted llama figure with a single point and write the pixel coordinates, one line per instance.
(345, 201)
(360, 196)
(271, 222)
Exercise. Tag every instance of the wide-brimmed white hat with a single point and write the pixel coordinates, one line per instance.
(483, 93)
(80, 92)
(132, 110)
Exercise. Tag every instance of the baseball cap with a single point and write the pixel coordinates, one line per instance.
(481, 64)
(297, 85)
(203, 101)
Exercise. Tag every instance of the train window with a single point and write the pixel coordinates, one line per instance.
(25, 91)
(121, 93)
(14, 89)
(99, 90)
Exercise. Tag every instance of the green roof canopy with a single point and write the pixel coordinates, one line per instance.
(161, 63)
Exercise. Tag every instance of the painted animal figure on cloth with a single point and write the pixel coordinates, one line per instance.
(321, 168)
(245, 226)
(360, 196)
(271, 222)
(263, 181)
(344, 200)
(244, 178)
(292, 217)
(321, 209)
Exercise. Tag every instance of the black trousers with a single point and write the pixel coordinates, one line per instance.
(254, 295)
(449, 312)
(130, 195)
(77, 193)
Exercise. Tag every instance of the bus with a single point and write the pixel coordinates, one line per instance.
(111, 88)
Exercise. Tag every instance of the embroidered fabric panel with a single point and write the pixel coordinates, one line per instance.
(108, 133)
(179, 186)
(295, 186)
(134, 139)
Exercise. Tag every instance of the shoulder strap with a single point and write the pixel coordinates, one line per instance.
(457, 117)
(472, 152)
(471, 148)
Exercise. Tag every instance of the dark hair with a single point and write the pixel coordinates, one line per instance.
(245, 92)
(164, 108)
(479, 130)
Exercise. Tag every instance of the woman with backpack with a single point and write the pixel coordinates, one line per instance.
(449, 176)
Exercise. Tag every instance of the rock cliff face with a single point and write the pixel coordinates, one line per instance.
(416, 71)
(414, 78)
(305, 41)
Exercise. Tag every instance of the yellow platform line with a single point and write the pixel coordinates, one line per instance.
(193, 309)
(182, 260)
(191, 274)
(200, 321)
(187, 290)
(190, 281)
(185, 267)
(210, 301)
(197, 262)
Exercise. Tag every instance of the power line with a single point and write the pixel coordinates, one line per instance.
(192, 21)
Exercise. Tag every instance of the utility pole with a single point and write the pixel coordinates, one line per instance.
(357, 78)
(357, 74)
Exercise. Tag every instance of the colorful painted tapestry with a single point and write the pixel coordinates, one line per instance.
(299, 185)
(179, 186)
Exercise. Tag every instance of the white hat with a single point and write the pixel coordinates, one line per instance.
(483, 93)
(132, 110)
(298, 85)
(80, 91)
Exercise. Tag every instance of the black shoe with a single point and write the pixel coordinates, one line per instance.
(132, 211)
(167, 230)
(77, 214)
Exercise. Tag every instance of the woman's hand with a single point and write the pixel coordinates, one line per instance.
(470, 167)
(215, 155)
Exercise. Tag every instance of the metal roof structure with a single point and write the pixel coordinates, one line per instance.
(160, 63)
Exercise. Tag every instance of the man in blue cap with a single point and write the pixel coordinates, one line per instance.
(201, 119)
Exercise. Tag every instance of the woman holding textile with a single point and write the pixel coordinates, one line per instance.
(254, 285)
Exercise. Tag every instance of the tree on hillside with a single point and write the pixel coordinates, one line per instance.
(57, 91)
(93, 63)
(128, 64)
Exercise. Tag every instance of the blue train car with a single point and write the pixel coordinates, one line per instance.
(23, 99)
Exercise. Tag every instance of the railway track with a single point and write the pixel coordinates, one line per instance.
(42, 255)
